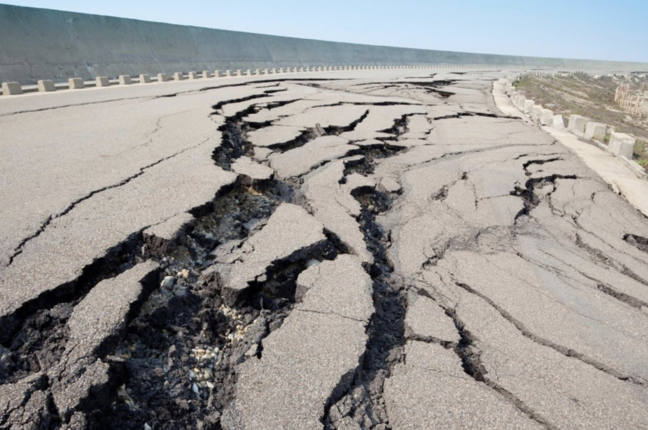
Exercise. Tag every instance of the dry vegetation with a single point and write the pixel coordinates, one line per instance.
(593, 98)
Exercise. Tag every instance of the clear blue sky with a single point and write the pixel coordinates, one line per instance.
(592, 29)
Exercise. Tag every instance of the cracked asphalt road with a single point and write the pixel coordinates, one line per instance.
(370, 250)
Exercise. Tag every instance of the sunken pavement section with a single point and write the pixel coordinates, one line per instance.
(384, 253)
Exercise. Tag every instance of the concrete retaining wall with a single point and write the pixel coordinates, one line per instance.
(47, 44)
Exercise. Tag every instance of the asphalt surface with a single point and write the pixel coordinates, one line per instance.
(341, 250)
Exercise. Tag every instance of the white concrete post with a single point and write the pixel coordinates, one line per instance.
(528, 106)
(102, 81)
(205, 74)
(546, 117)
(162, 77)
(76, 83)
(46, 85)
(577, 124)
(178, 76)
(558, 122)
(595, 131)
(11, 88)
(193, 75)
(622, 144)
(144, 78)
(125, 80)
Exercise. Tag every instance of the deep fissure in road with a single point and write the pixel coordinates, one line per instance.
(362, 401)
(184, 347)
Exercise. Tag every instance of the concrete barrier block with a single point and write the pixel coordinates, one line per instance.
(595, 131)
(205, 74)
(193, 75)
(273, 71)
(144, 78)
(11, 88)
(536, 113)
(528, 106)
(217, 73)
(546, 117)
(178, 76)
(517, 101)
(76, 83)
(248, 72)
(102, 81)
(125, 80)
(520, 103)
(162, 77)
(228, 73)
(622, 144)
(46, 85)
(577, 124)
(558, 122)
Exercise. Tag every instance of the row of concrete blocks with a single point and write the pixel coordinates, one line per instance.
(47, 85)
(620, 144)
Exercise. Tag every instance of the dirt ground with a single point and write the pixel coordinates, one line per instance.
(593, 98)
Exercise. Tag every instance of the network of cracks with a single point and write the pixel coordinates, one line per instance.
(175, 360)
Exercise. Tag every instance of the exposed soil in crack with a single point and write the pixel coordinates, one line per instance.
(362, 400)
(530, 196)
(181, 353)
(115, 261)
(639, 242)
(175, 366)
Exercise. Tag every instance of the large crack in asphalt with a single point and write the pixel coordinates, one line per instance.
(184, 321)
(360, 398)
(181, 353)
(175, 366)
(639, 242)
(142, 170)
(567, 352)
(471, 363)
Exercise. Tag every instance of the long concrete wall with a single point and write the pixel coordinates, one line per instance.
(48, 44)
